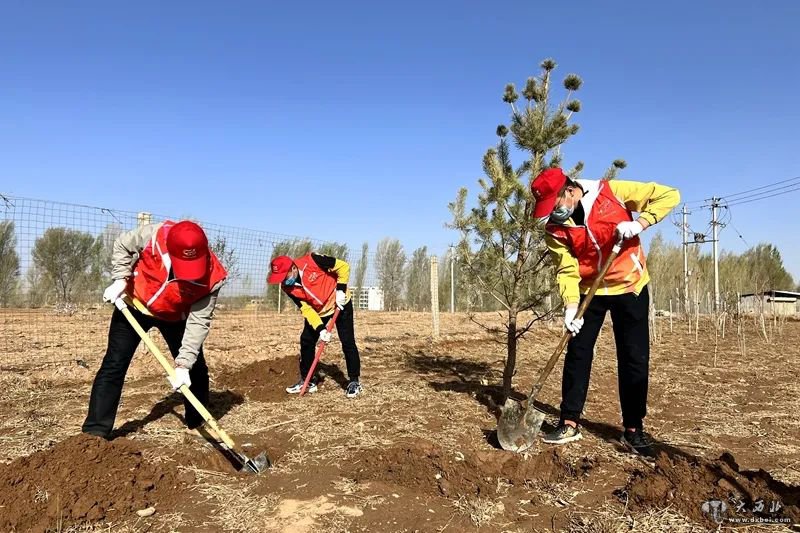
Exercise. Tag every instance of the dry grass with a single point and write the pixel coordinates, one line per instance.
(609, 519)
(103, 528)
(418, 389)
(481, 511)
(346, 486)
(237, 507)
(350, 489)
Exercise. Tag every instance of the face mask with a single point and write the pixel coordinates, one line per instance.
(561, 214)
(289, 281)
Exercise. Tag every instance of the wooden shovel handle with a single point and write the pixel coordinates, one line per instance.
(565, 338)
(120, 303)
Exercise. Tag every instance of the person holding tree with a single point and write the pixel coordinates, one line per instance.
(317, 284)
(584, 219)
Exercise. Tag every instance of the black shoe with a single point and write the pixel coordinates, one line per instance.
(637, 442)
(563, 434)
(353, 389)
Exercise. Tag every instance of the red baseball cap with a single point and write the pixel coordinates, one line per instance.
(187, 246)
(278, 268)
(545, 189)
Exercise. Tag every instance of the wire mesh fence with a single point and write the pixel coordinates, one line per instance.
(55, 262)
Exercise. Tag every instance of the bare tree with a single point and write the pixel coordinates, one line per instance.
(418, 280)
(9, 262)
(390, 261)
(68, 262)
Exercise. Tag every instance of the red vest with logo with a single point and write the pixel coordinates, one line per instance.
(591, 243)
(169, 299)
(317, 287)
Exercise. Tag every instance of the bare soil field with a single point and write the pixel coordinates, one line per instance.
(417, 451)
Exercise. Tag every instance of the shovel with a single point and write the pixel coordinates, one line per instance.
(256, 465)
(320, 349)
(517, 427)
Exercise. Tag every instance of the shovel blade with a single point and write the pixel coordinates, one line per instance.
(255, 465)
(518, 427)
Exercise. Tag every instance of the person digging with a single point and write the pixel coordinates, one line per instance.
(170, 279)
(583, 221)
(317, 284)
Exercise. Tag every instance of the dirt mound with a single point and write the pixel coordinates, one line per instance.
(83, 479)
(264, 381)
(685, 483)
(427, 468)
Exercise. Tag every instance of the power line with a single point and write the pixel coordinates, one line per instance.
(732, 196)
(774, 190)
(739, 233)
(786, 185)
(765, 196)
(695, 203)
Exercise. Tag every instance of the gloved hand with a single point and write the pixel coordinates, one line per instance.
(629, 230)
(325, 335)
(573, 326)
(114, 290)
(181, 378)
(341, 298)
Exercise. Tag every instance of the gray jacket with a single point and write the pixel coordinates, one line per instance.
(126, 252)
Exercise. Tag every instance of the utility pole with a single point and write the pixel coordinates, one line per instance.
(452, 279)
(714, 242)
(685, 259)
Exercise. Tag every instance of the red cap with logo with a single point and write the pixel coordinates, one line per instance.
(545, 189)
(187, 246)
(278, 269)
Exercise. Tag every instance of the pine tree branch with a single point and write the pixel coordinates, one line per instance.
(489, 329)
(489, 289)
(525, 329)
(510, 215)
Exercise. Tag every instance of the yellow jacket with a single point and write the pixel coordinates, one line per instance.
(651, 200)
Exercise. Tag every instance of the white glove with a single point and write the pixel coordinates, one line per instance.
(629, 230)
(341, 298)
(181, 378)
(114, 290)
(574, 326)
(325, 335)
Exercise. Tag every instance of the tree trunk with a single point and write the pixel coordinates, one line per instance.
(511, 359)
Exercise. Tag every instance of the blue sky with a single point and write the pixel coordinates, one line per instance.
(283, 116)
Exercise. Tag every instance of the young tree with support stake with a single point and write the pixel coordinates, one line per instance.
(501, 247)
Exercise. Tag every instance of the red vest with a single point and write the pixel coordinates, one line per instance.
(317, 287)
(592, 243)
(169, 299)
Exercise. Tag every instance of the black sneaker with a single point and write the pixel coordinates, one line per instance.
(637, 442)
(353, 389)
(297, 387)
(563, 434)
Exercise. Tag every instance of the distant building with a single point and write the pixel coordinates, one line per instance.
(367, 298)
(780, 303)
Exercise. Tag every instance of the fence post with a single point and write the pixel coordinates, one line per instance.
(143, 218)
(670, 315)
(435, 295)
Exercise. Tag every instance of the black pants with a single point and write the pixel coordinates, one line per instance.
(347, 335)
(122, 343)
(629, 315)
